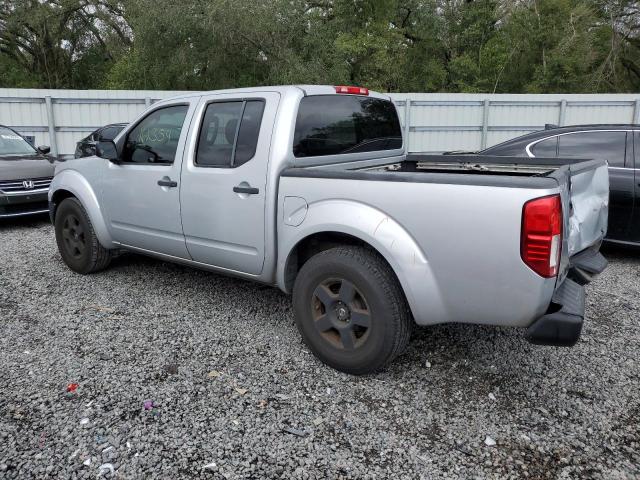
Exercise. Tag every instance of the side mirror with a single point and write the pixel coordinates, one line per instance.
(44, 149)
(107, 149)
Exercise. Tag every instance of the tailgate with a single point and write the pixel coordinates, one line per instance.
(585, 195)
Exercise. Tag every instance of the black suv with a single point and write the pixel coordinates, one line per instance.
(618, 144)
(87, 146)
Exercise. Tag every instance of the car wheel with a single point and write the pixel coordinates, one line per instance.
(351, 310)
(76, 239)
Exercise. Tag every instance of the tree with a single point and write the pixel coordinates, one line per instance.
(389, 45)
(54, 42)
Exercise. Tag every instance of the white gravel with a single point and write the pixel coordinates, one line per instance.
(187, 374)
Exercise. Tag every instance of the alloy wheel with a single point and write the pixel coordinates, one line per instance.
(341, 313)
(74, 237)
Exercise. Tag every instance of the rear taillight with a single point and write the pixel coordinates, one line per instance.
(541, 242)
(351, 90)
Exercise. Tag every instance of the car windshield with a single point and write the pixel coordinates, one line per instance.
(13, 144)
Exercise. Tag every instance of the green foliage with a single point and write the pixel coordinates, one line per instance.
(389, 45)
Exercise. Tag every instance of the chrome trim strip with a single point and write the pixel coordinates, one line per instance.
(622, 242)
(5, 183)
(23, 192)
(19, 184)
(531, 155)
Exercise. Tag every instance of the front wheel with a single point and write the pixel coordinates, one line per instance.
(350, 310)
(76, 239)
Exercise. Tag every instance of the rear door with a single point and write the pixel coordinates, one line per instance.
(141, 195)
(616, 147)
(224, 179)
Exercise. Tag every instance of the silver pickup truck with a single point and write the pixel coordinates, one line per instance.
(308, 188)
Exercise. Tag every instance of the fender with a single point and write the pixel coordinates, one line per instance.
(381, 232)
(75, 183)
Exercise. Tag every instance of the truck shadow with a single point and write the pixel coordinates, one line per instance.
(627, 253)
(27, 221)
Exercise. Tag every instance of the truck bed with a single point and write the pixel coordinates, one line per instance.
(455, 223)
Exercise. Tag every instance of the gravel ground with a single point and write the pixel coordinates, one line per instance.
(227, 374)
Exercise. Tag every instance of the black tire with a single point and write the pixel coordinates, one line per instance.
(77, 241)
(376, 324)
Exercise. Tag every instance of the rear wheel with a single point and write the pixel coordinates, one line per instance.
(350, 310)
(76, 239)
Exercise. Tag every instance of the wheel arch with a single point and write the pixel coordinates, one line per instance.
(56, 199)
(315, 243)
(71, 184)
(368, 227)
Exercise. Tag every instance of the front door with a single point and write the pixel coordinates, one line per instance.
(224, 180)
(141, 194)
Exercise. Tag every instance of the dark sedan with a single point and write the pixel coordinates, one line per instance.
(25, 175)
(618, 144)
(87, 146)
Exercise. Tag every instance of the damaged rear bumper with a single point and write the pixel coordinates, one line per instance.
(562, 324)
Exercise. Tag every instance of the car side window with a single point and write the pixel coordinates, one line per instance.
(109, 133)
(609, 146)
(546, 148)
(155, 139)
(229, 133)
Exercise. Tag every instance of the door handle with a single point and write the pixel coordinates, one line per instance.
(249, 190)
(167, 182)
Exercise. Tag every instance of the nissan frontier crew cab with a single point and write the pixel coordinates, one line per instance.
(308, 188)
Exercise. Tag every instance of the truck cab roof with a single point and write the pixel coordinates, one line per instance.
(283, 89)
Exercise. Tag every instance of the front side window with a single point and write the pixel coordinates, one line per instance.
(229, 133)
(546, 148)
(155, 139)
(609, 146)
(109, 133)
(339, 124)
(13, 144)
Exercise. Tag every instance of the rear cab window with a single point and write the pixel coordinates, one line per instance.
(342, 124)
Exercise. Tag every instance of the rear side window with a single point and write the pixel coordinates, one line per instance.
(339, 124)
(155, 139)
(609, 146)
(546, 148)
(229, 133)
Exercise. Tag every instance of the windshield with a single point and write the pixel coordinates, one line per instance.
(13, 144)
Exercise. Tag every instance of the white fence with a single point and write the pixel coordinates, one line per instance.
(433, 122)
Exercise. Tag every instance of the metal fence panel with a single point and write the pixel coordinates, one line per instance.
(433, 122)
